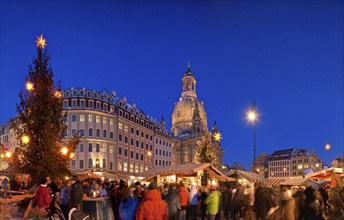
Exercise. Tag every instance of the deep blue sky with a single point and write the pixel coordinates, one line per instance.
(288, 55)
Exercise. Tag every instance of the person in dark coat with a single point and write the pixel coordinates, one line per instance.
(226, 201)
(172, 200)
(311, 210)
(262, 203)
(237, 201)
(76, 194)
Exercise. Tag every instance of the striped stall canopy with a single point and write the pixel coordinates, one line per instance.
(275, 181)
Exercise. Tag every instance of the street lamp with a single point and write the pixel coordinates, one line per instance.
(252, 117)
(328, 148)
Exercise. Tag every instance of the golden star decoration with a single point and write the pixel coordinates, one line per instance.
(41, 42)
(217, 136)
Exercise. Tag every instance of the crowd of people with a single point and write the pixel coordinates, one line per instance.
(180, 202)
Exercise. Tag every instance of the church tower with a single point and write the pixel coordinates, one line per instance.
(189, 126)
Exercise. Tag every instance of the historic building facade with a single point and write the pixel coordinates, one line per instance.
(115, 136)
(189, 125)
(293, 163)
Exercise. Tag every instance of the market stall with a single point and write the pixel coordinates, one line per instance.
(203, 174)
(301, 182)
(246, 179)
(332, 175)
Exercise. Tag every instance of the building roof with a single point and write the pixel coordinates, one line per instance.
(253, 177)
(281, 154)
(186, 170)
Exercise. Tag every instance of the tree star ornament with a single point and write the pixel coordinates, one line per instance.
(41, 42)
(217, 136)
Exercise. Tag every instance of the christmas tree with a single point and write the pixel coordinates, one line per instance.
(39, 125)
(205, 152)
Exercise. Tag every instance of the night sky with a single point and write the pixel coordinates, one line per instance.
(287, 55)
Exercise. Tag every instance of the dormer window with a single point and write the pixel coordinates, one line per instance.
(81, 93)
(88, 94)
(67, 94)
(95, 95)
(102, 97)
(74, 93)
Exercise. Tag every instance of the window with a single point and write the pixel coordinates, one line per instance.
(104, 163)
(146, 146)
(131, 141)
(82, 118)
(81, 148)
(119, 165)
(142, 145)
(125, 152)
(137, 156)
(131, 154)
(90, 147)
(111, 149)
(82, 103)
(111, 121)
(120, 126)
(119, 137)
(105, 107)
(132, 130)
(74, 103)
(81, 164)
(98, 132)
(82, 132)
(90, 118)
(146, 136)
(73, 118)
(91, 104)
(104, 133)
(120, 151)
(299, 167)
(137, 143)
(104, 121)
(73, 164)
(98, 105)
(142, 134)
(97, 118)
(73, 132)
(125, 139)
(125, 167)
(136, 169)
(141, 157)
(151, 147)
(65, 118)
(137, 132)
(126, 128)
(112, 109)
(156, 151)
(131, 168)
(111, 166)
(97, 147)
(65, 104)
(90, 163)
(90, 132)
(111, 135)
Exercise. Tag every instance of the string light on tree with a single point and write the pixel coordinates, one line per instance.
(41, 42)
(29, 86)
(8, 154)
(64, 150)
(25, 139)
(58, 94)
(71, 156)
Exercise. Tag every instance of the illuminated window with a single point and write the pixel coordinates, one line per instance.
(82, 118)
(111, 149)
(120, 125)
(125, 167)
(131, 168)
(136, 169)
(111, 121)
(119, 166)
(126, 128)
(104, 149)
(97, 118)
(90, 118)
(299, 167)
(104, 120)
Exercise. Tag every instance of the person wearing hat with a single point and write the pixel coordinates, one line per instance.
(76, 193)
(212, 202)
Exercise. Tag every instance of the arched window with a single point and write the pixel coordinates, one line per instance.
(97, 147)
(98, 132)
(90, 132)
(186, 157)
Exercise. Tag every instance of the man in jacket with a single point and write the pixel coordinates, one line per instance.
(184, 200)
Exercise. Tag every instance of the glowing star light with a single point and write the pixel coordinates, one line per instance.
(41, 42)
(57, 94)
(8, 154)
(29, 86)
(25, 139)
(217, 136)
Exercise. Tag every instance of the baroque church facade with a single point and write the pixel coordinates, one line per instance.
(190, 130)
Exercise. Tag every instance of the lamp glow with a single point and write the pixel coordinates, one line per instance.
(25, 139)
(71, 156)
(8, 154)
(64, 150)
(327, 147)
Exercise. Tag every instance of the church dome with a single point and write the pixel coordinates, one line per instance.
(182, 116)
(183, 113)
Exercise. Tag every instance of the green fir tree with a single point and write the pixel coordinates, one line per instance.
(39, 125)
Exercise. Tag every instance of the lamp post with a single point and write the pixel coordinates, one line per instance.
(252, 117)
(328, 148)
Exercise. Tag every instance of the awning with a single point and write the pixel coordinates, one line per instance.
(185, 170)
(301, 182)
(275, 181)
(252, 177)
